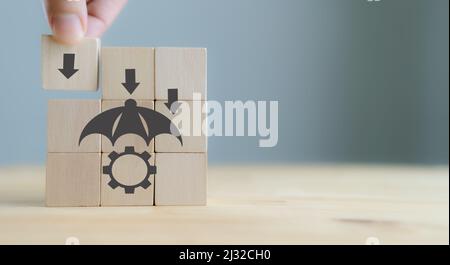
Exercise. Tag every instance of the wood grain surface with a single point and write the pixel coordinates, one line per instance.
(248, 205)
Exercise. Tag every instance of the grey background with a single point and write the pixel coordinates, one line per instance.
(356, 81)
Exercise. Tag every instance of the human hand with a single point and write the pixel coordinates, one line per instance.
(71, 20)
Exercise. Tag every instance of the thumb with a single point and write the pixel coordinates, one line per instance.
(67, 19)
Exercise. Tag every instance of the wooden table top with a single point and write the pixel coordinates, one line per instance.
(248, 205)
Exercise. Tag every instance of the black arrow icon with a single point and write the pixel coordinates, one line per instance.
(172, 104)
(68, 69)
(130, 80)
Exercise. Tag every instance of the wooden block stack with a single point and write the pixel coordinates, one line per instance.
(95, 170)
(184, 183)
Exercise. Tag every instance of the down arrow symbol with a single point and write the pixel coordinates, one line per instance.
(68, 69)
(172, 104)
(130, 80)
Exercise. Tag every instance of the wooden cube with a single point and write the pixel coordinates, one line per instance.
(67, 67)
(188, 119)
(73, 179)
(66, 121)
(182, 68)
(133, 170)
(129, 139)
(128, 73)
(181, 179)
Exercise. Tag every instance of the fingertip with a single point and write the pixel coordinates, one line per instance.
(67, 28)
(96, 27)
(101, 14)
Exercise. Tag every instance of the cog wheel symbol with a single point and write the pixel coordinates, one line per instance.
(129, 189)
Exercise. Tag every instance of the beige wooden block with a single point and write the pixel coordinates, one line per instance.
(129, 139)
(67, 67)
(182, 68)
(114, 64)
(130, 170)
(73, 179)
(66, 121)
(188, 119)
(181, 179)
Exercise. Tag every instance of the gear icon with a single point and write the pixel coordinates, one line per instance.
(129, 189)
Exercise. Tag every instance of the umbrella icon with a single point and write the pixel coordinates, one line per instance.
(129, 119)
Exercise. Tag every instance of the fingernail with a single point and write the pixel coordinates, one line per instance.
(67, 28)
